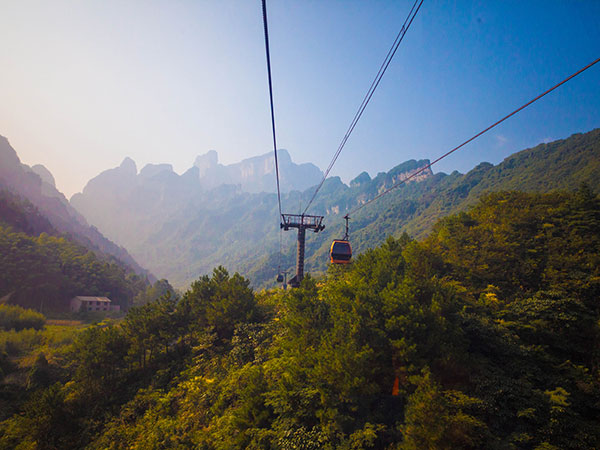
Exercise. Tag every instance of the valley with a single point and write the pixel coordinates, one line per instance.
(181, 228)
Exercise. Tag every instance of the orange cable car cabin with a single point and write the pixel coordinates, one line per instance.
(340, 252)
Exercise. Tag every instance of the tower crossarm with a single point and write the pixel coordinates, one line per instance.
(305, 221)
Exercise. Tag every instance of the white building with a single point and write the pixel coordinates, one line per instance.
(86, 303)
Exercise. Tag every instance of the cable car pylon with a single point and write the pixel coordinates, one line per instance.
(302, 222)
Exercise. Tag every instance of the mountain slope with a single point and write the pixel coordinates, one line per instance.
(184, 225)
(181, 229)
(43, 269)
(36, 184)
(414, 208)
(558, 165)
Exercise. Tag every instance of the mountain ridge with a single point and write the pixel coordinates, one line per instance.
(194, 228)
(414, 208)
(36, 185)
(182, 229)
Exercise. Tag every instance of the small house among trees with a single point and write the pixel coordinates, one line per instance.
(86, 303)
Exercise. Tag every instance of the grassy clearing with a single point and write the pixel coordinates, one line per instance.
(64, 322)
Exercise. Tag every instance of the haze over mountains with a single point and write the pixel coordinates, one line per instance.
(184, 225)
(181, 226)
(257, 174)
(36, 185)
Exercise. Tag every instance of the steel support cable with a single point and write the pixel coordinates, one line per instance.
(371, 89)
(386, 62)
(422, 169)
(264, 11)
(268, 54)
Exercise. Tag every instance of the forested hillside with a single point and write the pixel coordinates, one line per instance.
(36, 185)
(43, 269)
(483, 335)
(414, 208)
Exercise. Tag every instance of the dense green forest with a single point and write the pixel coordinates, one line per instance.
(43, 269)
(485, 334)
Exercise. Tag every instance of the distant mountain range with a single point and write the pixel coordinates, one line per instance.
(36, 185)
(182, 226)
(414, 208)
(256, 174)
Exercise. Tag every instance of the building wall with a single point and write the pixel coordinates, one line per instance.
(75, 304)
(95, 305)
(91, 305)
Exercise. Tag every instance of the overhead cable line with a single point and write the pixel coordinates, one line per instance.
(268, 54)
(386, 62)
(422, 169)
(264, 11)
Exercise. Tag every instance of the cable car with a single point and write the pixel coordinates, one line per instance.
(341, 251)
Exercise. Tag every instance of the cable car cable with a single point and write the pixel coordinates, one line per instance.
(268, 54)
(266, 27)
(372, 88)
(386, 62)
(422, 169)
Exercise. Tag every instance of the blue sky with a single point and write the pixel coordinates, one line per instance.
(86, 83)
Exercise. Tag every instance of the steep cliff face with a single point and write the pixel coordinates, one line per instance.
(128, 206)
(404, 171)
(36, 184)
(257, 174)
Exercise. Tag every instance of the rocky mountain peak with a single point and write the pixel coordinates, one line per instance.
(128, 165)
(8, 156)
(283, 156)
(360, 179)
(256, 174)
(44, 174)
(206, 162)
(150, 170)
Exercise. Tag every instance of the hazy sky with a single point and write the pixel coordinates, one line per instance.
(85, 83)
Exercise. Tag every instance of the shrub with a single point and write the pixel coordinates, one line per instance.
(17, 318)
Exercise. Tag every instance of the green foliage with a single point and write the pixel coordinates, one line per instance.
(522, 242)
(153, 292)
(220, 303)
(21, 215)
(45, 272)
(489, 328)
(151, 327)
(14, 317)
(39, 375)
(439, 419)
(17, 343)
(99, 355)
